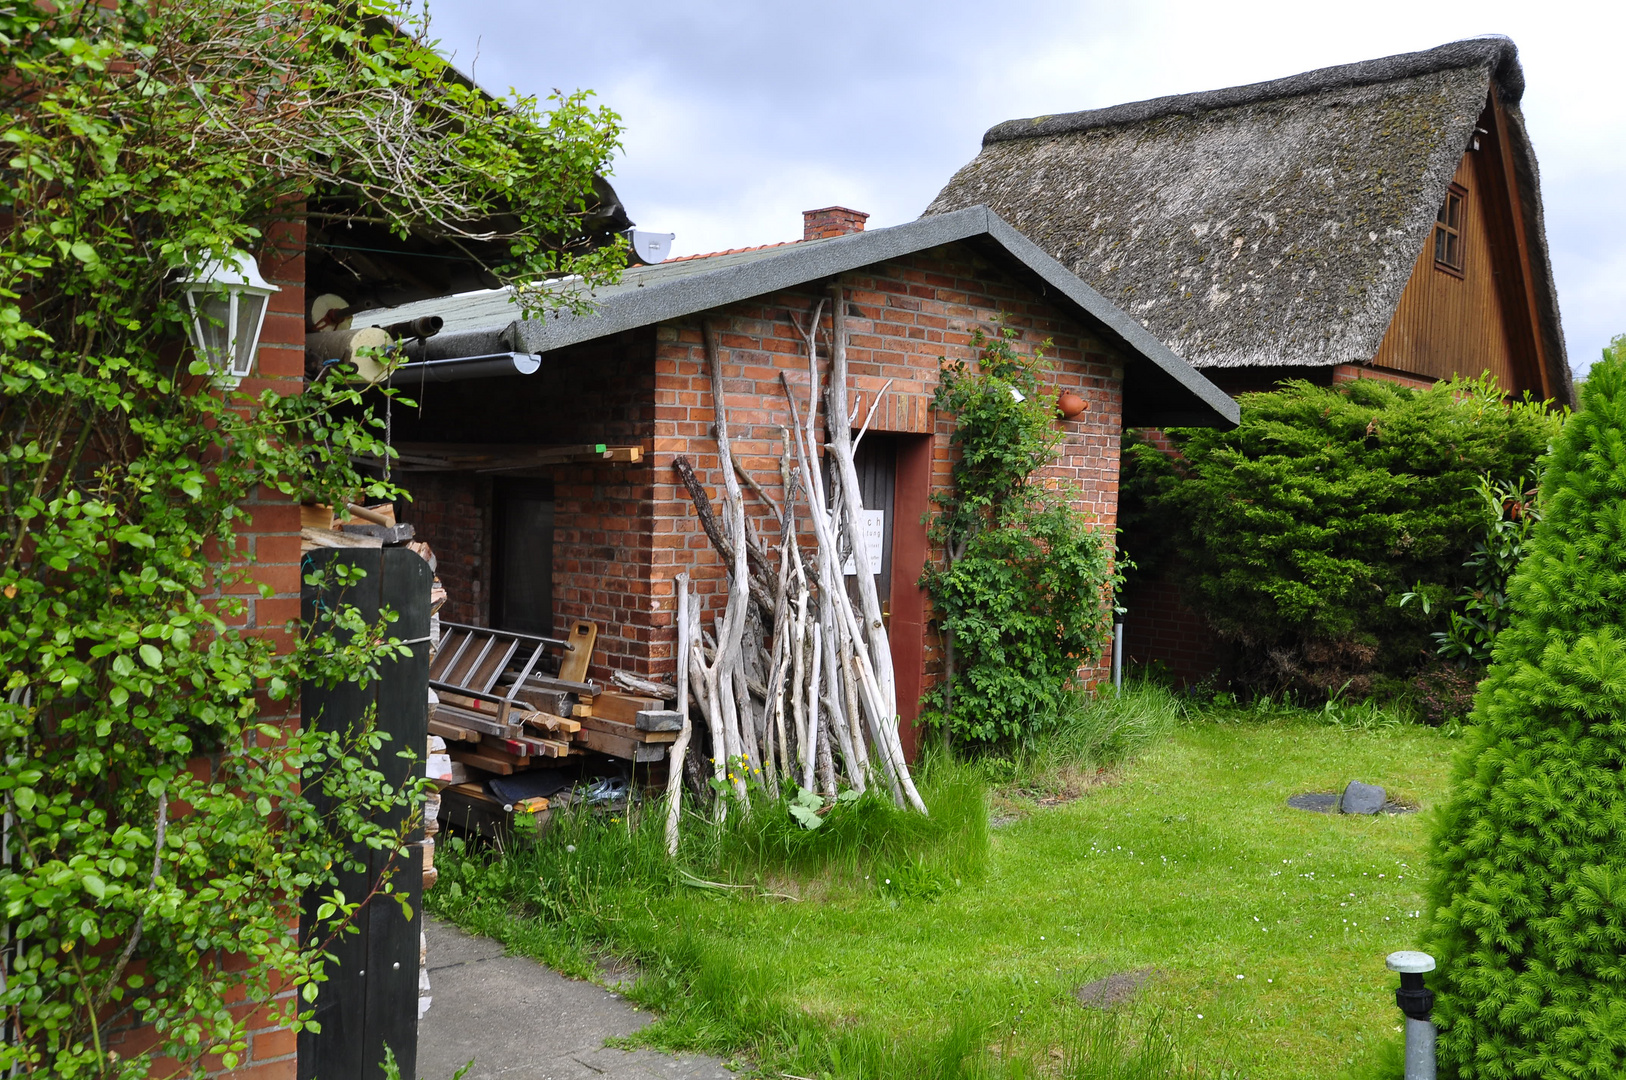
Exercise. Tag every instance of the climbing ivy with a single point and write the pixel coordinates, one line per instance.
(1023, 583)
(157, 839)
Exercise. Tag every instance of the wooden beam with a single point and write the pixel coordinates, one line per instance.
(507, 457)
(1527, 291)
(481, 759)
(456, 732)
(627, 731)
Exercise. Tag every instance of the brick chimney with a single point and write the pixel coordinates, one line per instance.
(831, 221)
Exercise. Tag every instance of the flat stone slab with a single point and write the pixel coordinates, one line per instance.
(1112, 990)
(1362, 798)
(519, 1020)
(1326, 802)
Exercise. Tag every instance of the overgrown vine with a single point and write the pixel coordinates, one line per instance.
(157, 838)
(1023, 587)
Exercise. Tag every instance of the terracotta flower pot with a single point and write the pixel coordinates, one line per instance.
(1070, 404)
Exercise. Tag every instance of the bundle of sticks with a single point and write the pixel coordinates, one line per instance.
(795, 678)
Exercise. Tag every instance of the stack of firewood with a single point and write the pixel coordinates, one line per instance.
(794, 680)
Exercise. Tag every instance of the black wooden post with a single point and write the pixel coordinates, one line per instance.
(371, 997)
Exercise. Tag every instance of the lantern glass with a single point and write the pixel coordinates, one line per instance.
(211, 325)
(250, 315)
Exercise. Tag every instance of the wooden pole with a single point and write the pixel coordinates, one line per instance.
(674, 776)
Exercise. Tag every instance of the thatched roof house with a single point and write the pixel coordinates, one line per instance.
(1380, 218)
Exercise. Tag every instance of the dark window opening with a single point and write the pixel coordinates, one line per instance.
(1448, 231)
(522, 565)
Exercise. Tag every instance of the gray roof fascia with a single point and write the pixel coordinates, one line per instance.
(776, 269)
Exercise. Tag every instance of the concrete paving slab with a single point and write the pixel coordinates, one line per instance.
(518, 1020)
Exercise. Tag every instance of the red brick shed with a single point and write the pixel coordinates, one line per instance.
(534, 535)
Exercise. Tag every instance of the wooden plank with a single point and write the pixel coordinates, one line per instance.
(504, 457)
(578, 651)
(324, 538)
(644, 687)
(612, 705)
(474, 789)
(548, 722)
(456, 732)
(547, 682)
(467, 808)
(509, 751)
(627, 731)
(482, 760)
(474, 704)
(489, 725)
(616, 746)
(557, 702)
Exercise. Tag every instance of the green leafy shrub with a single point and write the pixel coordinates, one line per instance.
(1022, 592)
(1528, 893)
(1299, 532)
(1510, 512)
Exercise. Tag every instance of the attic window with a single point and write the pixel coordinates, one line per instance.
(1448, 231)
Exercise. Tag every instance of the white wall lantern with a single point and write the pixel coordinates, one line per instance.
(227, 300)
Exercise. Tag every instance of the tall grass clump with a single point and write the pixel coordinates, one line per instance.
(854, 837)
(1090, 732)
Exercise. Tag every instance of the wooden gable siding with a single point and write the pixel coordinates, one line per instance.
(1448, 324)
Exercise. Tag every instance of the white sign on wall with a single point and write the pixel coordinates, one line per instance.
(873, 526)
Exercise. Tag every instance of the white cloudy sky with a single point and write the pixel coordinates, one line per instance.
(742, 113)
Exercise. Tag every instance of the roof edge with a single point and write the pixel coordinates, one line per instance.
(1496, 53)
(794, 265)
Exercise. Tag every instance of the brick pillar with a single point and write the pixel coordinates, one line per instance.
(270, 538)
(831, 221)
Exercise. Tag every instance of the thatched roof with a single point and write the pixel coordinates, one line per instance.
(1266, 225)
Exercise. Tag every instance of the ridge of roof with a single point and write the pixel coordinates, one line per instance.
(1494, 52)
(726, 251)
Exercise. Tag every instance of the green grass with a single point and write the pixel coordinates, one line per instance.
(964, 963)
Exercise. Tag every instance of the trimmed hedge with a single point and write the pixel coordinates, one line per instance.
(1297, 534)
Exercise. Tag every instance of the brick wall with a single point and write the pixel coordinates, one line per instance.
(452, 512)
(1351, 372)
(902, 317)
(1159, 629)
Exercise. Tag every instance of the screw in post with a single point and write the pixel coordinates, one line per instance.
(1416, 1001)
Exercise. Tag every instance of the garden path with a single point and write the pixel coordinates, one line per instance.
(519, 1020)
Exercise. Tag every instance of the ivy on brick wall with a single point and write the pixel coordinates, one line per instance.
(1023, 581)
(156, 838)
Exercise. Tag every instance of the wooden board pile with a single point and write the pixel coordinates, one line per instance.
(501, 717)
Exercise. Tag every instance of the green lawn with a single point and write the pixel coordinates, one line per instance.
(1265, 927)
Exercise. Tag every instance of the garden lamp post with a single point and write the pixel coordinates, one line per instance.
(227, 300)
(1416, 1001)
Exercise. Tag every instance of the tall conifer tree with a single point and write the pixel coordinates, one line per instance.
(1529, 868)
